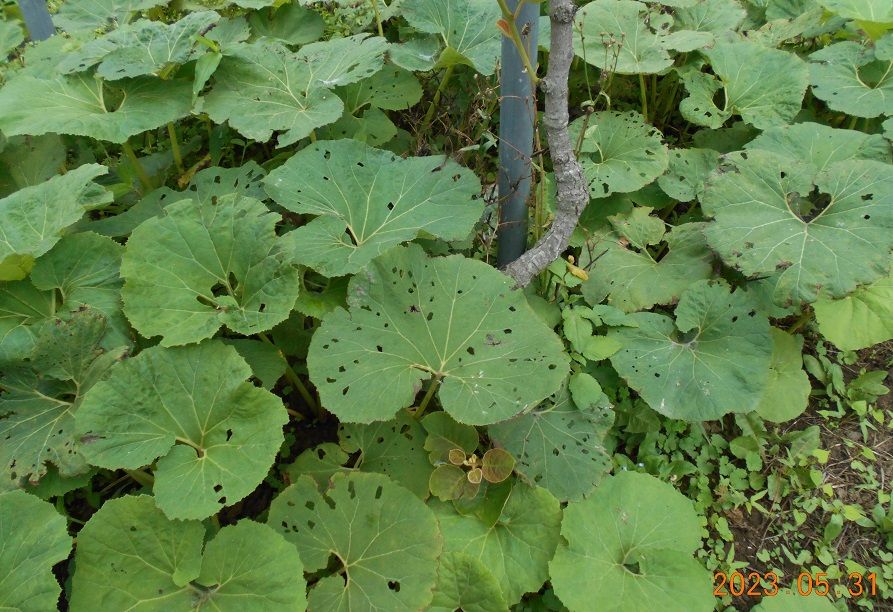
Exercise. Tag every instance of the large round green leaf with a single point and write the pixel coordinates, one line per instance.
(130, 556)
(629, 546)
(714, 16)
(83, 105)
(34, 538)
(199, 267)
(829, 232)
(876, 11)
(764, 86)
(42, 395)
(368, 200)
(849, 78)
(467, 28)
(216, 435)
(619, 153)
(464, 583)
(560, 444)
(383, 538)
(455, 319)
(516, 547)
(32, 219)
(788, 387)
(89, 15)
(713, 360)
(861, 319)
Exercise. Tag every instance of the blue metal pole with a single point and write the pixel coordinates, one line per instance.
(517, 115)
(37, 19)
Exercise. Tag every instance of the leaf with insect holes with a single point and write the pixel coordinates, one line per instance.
(41, 397)
(35, 538)
(32, 219)
(466, 27)
(130, 556)
(629, 37)
(632, 279)
(874, 11)
(687, 171)
(560, 444)
(214, 435)
(199, 267)
(412, 318)
(80, 105)
(859, 320)
(85, 16)
(787, 390)
(465, 583)
(262, 87)
(369, 200)
(394, 448)
(516, 547)
(829, 232)
(384, 538)
(619, 152)
(635, 535)
(764, 86)
(712, 360)
(849, 78)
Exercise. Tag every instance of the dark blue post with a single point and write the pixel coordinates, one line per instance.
(517, 115)
(37, 18)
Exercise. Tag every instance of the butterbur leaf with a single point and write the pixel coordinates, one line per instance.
(849, 78)
(787, 389)
(875, 11)
(11, 36)
(384, 539)
(368, 200)
(32, 219)
(635, 535)
(859, 320)
(714, 16)
(764, 86)
(200, 267)
(320, 463)
(633, 280)
(465, 583)
(30, 160)
(89, 15)
(266, 361)
(517, 547)
(466, 27)
(41, 398)
(448, 482)
(687, 171)
(395, 448)
(291, 23)
(34, 538)
(412, 318)
(81, 105)
(446, 435)
(639, 228)
(497, 465)
(619, 153)
(130, 556)
(559, 445)
(829, 232)
(214, 435)
(392, 88)
(714, 359)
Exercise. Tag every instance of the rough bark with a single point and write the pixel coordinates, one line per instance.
(572, 190)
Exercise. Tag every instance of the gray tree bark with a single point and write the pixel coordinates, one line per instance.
(572, 190)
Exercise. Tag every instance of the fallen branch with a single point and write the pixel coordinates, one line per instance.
(573, 192)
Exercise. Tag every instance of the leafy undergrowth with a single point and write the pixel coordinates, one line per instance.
(254, 354)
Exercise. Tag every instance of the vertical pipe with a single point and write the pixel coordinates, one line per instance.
(37, 19)
(517, 115)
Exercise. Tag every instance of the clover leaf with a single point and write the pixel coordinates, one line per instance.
(619, 152)
(516, 546)
(83, 105)
(32, 219)
(453, 319)
(849, 78)
(714, 359)
(384, 540)
(466, 28)
(764, 86)
(368, 200)
(634, 536)
(35, 538)
(214, 435)
(829, 232)
(130, 556)
(199, 267)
